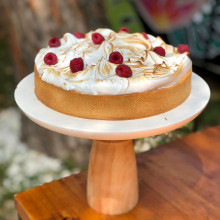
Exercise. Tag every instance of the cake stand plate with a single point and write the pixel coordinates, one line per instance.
(112, 185)
(111, 130)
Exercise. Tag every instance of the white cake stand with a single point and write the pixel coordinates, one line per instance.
(112, 186)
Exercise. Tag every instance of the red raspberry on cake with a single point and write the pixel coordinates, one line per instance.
(145, 35)
(124, 29)
(97, 38)
(116, 57)
(54, 42)
(79, 35)
(123, 70)
(182, 48)
(50, 59)
(76, 64)
(160, 51)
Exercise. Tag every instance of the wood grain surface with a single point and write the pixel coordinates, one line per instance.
(177, 181)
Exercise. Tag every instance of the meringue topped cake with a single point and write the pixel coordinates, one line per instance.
(112, 76)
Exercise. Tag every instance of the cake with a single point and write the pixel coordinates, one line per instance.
(112, 75)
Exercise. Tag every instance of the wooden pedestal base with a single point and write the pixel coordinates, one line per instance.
(112, 186)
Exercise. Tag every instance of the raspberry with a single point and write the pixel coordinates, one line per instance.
(116, 57)
(97, 38)
(76, 64)
(160, 51)
(123, 70)
(145, 35)
(50, 59)
(54, 42)
(124, 29)
(79, 35)
(182, 48)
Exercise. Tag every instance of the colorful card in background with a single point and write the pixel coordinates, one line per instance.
(166, 15)
(192, 22)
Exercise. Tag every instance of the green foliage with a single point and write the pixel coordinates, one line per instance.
(120, 13)
(148, 143)
(3, 169)
(68, 163)
(210, 116)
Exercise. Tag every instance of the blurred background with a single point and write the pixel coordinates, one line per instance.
(31, 155)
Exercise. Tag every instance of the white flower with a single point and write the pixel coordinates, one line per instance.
(25, 168)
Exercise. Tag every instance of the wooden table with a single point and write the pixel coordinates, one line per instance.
(180, 180)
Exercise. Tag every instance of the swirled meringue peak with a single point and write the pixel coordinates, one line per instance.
(150, 71)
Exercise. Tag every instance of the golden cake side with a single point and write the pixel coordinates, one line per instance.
(113, 107)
